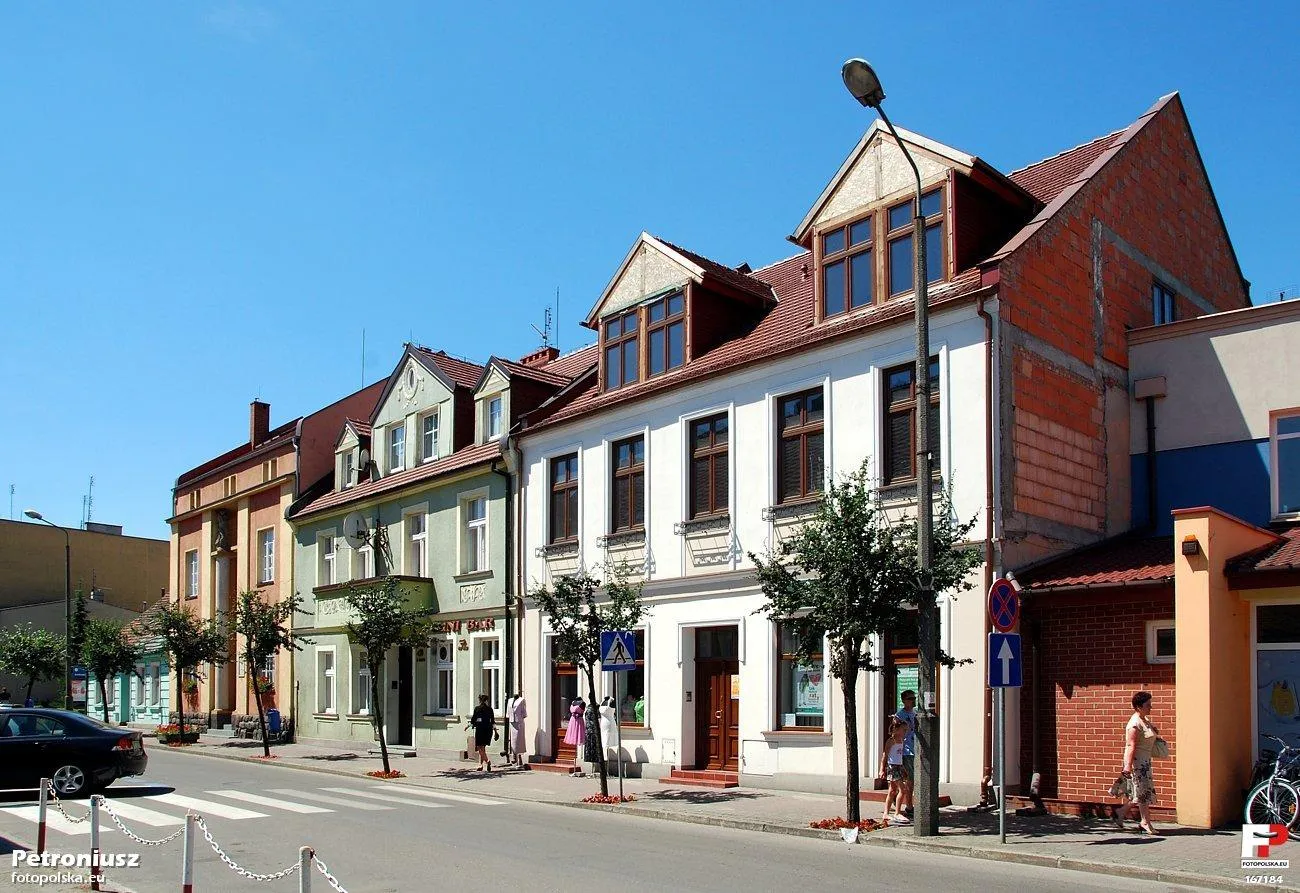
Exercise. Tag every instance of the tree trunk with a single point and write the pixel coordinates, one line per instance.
(849, 683)
(103, 699)
(31, 681)
(600, 753)
(180, 700)
(257, 696)
(377, 714)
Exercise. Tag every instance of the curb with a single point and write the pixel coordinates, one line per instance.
(1069, 863)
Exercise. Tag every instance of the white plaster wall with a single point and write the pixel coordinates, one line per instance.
(1222, 384)
(880, 171)
(851, 374)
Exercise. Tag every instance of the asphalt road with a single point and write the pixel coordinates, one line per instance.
(382, 837)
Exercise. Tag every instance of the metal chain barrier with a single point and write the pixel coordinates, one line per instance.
(58, 804)
(140, 840)
(329, 878)
(234, 866)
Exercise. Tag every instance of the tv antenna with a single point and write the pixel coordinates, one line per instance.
(88, 503)
(545, 330)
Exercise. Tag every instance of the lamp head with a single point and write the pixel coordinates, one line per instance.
(860, 79)
(33, 514)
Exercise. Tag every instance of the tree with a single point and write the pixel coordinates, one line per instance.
(849, 574)
(77, 629)
(106, 652)
(265, 628)
(189, 641)
(31, 653)
(382, 622)
(579, 610)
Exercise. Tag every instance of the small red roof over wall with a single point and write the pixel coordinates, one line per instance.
(1122, 561)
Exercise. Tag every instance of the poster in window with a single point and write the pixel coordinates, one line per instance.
(1278, 705)
(907, 677)
(808, 689)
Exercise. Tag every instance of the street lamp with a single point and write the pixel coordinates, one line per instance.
(862, 82)
(67, 603)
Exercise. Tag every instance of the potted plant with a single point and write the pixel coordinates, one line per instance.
(170, 734)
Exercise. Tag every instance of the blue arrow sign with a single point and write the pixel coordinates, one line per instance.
(1004, 660)
(617, 650)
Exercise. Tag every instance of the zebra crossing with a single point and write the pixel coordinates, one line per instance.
(168, 809)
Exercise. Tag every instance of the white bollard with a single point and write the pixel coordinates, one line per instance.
(187, 856)
(304, 869)
(40, 824)
(94, 841)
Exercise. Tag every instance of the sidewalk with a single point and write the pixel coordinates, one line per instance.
(1191, 856)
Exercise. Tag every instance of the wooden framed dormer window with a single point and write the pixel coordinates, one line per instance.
(665, 334)
(622, 358)
(901, 262)
(848, 267)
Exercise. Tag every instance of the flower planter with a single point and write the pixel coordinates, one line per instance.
(178, 738)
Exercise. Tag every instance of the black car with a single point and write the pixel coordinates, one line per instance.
(78, 754)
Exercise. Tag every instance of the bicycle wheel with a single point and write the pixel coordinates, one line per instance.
(1273, 802)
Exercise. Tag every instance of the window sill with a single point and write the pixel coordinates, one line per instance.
(472, 576)
(558, 549)
(622, 538)
(448, 718)
(719, 523)
(359, 717)
(795, 508)
(810, 736)
(636, 733)
(333, 717)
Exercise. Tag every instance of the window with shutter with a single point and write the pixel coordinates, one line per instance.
(564, 498)
(628, 507)
(900, 422)
(709, 472)
(801, 462)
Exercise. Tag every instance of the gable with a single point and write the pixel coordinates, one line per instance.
(493, 382)
(347, 440)
(650, 268)
(413, 388)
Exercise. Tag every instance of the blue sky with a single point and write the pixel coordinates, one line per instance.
(204, 203)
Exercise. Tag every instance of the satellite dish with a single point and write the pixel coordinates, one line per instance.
(355, 530)
(365, 458)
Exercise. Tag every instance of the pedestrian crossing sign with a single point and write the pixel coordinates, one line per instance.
(617, 650)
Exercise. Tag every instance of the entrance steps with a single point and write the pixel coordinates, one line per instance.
(537, 764)
(702, 778)
(1086, 808)
(879, 797)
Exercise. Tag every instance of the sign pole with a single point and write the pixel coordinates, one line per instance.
(618, 738)
(1002, 765)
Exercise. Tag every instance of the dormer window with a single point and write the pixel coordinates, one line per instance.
(429, 437)
(494, 418)
(901, 236)
(621, 357)
(665, 334)
(349, 469)
(396, 448)
(848, 273)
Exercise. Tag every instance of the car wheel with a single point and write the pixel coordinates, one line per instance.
(70, 781)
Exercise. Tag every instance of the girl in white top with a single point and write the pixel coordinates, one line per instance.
(891, 768)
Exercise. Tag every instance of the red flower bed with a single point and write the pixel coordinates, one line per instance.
(838, 823)
(392, 773)
(608, 798)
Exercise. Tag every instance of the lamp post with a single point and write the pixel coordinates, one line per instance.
(67, 604)
(861, 81)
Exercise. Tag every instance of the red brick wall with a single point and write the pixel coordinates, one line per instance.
(1155, 196)
(1092, 658)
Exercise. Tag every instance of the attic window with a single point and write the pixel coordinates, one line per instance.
(665, 334)
(901, 261)
(622, 362)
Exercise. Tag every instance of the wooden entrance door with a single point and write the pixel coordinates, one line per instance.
(717, 714)
(564, 688)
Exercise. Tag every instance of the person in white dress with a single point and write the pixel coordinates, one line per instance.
(516, 713)
(607, 727)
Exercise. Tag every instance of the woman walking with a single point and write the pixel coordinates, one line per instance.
(1140, 737)
(484, 722)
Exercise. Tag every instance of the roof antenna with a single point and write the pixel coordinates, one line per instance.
(557, 317)
(545, 331)
(363, 357)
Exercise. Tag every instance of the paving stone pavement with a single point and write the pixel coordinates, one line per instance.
(1180, 855)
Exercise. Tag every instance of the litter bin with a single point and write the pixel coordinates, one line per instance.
(273, 721)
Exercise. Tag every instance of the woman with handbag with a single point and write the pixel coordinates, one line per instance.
(484, 722)
(1136, 784)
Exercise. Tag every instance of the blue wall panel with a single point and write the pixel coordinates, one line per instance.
(1233, 477)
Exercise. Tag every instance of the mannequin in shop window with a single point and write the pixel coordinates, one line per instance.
(516, 713)
(607, 725)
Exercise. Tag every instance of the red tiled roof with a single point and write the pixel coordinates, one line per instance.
(544, 374)
(746, 282)
(1045, 179)
(574, 363)
(1283, 555)
(787, 327)
(464, 458)
(1120, 561)
(362, 428)
(276, 437)
(138, 629)
(462, 372)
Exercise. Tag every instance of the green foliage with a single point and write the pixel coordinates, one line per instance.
(77, 630)
(579, 608)
(106, 653)
(189, 641)
(32, 654)
(267, 629)
(382, 622)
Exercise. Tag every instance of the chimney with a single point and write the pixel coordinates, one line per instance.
(540, 357)
(259, 421)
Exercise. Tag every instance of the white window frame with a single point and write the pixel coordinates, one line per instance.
(494, 432)
(363, 562)
(466, 540)
(1274, 471)
(411, 566)
(327, 681)
(138, 683)
(1153, 626)
(436, 668)
(360, 704)
(327, 571)
(265, 556)
(192, 573)
(546, 460)
(155, 685)
(396, 445)
(428, 451)
(349, 469)
(497, 698)
(607, 678)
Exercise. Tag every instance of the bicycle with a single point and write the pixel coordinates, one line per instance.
(1275, 800)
